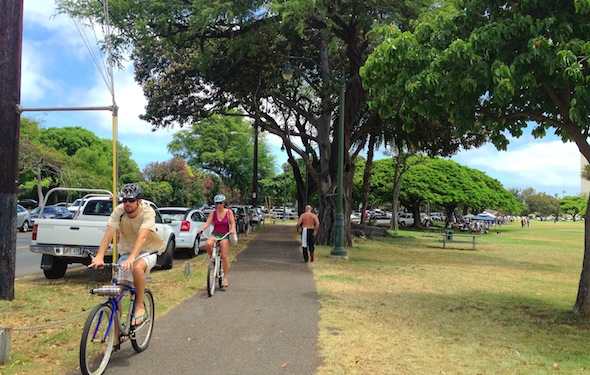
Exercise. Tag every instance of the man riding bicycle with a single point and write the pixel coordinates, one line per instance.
(138, 242)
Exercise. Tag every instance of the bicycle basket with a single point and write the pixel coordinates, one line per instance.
(107, 290)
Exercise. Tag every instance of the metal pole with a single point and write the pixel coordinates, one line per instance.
(254, 201)
(306, 186)
(339, 251)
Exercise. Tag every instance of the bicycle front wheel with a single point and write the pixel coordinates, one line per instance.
(220, 274)
(97, 341)
(211, 274)
(140, 337)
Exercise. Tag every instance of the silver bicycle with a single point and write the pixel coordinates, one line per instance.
(214, 268)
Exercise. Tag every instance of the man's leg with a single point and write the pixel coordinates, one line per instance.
(139, 281)
(310, 245)
(304, 244)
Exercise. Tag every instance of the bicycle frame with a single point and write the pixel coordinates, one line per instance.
(115, 302)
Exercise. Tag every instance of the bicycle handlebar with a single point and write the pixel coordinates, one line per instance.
(117, 265)
(213, 237)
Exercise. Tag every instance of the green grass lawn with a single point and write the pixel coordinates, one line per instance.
(404, 305)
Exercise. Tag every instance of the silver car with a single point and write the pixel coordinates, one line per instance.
(23, 218)
(186, 222)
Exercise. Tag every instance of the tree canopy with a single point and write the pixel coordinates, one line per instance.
(501, 65)
(199, 58)
(444, 183)
(68, 157)
(223, 145)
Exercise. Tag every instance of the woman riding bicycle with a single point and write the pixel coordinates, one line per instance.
(223, 222)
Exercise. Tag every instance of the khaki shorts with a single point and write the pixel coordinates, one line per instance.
(149, 259)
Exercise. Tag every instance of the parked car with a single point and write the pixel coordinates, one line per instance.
(23, 218)
(256, 215)
(51, 212)
(242, 218)
(76, 205)
(355, 218)
(186, 222)
(277, 213)
(28, 203)
(405, 219)
(380, 218)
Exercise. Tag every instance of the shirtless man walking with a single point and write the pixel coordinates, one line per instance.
(309, 223)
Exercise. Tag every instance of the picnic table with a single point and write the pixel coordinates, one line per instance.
(451, 238)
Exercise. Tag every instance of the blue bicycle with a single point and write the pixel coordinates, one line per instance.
(111, 319)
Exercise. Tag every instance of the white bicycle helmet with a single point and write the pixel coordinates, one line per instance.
(131, 191)
(219, 198)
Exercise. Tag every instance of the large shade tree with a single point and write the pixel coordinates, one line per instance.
(198, 58)
(507, 64)
(573, 205)
(441, 182)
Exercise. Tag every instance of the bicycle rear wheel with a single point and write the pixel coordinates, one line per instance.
(140, 337)
(97, 340)
(211, 274)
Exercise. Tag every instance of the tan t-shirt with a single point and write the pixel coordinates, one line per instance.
(129, 228)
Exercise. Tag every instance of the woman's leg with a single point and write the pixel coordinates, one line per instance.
(224, 246)
(209, 246)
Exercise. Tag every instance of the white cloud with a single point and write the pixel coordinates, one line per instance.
(547, 165)
(34, 85)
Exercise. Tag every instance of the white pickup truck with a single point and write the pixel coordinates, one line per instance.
(64, 242)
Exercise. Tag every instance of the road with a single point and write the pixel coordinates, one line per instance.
(27, 263)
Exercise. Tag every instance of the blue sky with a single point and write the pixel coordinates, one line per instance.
(58, 71)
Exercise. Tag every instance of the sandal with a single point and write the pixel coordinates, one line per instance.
(142, 318)
(224, 284)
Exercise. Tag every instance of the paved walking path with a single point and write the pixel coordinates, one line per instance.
(265, 322)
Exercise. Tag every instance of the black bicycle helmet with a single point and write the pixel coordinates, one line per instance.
(131, 191)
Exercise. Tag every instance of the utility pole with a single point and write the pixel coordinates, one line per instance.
(10, 78)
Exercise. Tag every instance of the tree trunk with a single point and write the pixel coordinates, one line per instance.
(397, 179)
(582, 306)
(367, 177)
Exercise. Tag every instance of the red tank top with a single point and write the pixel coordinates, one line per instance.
(221, 226)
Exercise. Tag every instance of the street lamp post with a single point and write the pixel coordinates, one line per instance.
(338, 251)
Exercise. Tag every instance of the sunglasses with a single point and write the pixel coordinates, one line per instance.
(130, 200)
(218, 202)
